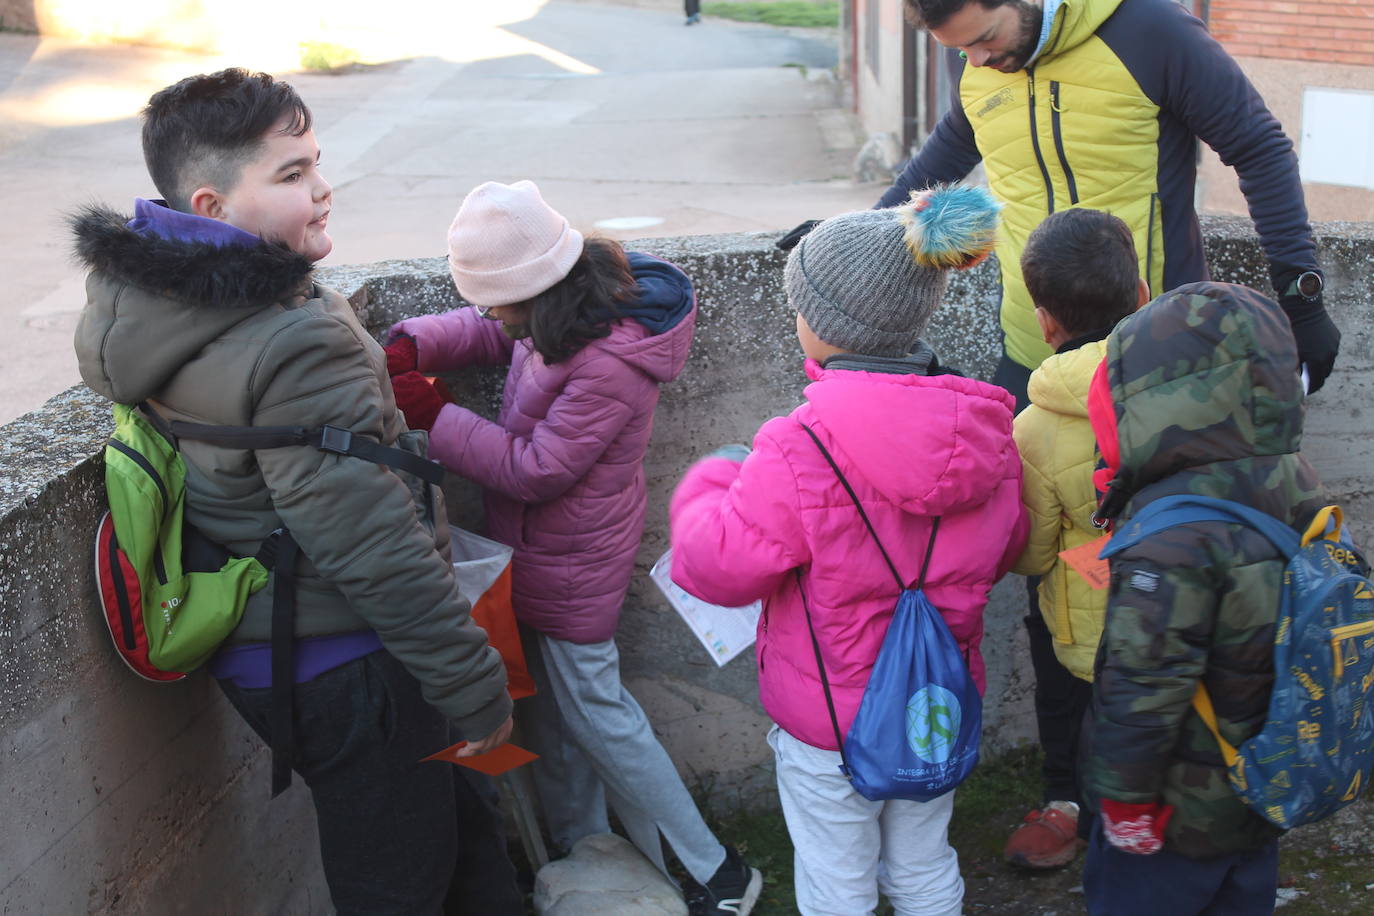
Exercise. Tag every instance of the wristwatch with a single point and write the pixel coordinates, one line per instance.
(1308, 284)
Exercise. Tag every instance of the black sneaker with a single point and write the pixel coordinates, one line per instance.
(733, 889)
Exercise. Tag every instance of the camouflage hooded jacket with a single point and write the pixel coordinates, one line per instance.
(1207, 401)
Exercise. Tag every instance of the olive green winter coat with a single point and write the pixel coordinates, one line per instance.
(242, 336)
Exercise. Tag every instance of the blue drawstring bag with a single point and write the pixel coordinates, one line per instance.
(917, 731)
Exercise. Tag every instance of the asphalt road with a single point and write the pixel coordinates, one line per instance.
(631, 124)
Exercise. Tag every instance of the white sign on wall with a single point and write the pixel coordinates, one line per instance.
(1337, 137)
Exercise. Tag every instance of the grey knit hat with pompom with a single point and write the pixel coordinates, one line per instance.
(868, 281)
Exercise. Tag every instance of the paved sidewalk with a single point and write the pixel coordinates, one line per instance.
(617, 111)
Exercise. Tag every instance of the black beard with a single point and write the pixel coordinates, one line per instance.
(1028, 18)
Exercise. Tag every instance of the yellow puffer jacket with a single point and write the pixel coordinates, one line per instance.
(1095, 144)
(1108, 116)
(1058, 455)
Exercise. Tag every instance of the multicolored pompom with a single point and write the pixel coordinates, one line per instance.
(950, 226)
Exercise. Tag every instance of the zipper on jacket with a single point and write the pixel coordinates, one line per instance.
(159, 568)
(1035, 145)
(1056, 129)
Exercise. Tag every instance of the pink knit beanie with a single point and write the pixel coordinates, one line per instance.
(506, 245)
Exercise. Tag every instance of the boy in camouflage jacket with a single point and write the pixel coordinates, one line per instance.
(1199, 394)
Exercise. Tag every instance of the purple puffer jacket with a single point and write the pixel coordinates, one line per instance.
(563, 465)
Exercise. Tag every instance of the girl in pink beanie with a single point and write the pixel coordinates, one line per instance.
(589, 331)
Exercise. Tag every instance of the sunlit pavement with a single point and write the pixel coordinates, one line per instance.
(624, 118)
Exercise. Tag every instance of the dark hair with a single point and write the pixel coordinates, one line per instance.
(931, 14)
(580, 308)
(1080, 266)
(204, 129)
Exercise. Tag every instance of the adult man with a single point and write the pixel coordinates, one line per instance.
(1099, 103)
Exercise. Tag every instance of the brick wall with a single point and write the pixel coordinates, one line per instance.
(1334, 31)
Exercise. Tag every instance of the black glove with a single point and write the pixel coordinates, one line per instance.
(1316, 334)
(791, 239)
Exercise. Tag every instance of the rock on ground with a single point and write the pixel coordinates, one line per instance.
(605, 875)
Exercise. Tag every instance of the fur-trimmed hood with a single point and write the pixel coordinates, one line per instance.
(154, 303)
(194, 273)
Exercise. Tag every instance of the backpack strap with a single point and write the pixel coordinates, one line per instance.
(825, 681)
(327, 439)
(935, 526)
(280, 717)
(1182, 509)
(1202, 705)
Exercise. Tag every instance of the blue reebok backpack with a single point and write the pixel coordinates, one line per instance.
(1313, 755)
(918, 727)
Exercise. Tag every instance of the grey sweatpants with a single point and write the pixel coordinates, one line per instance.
(596, 745)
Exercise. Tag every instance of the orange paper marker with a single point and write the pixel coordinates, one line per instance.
(1084, 560)
(493, 763)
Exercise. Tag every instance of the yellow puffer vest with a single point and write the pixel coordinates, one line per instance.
(1058, 455)
(1093, 143)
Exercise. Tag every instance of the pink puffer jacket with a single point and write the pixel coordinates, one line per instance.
(912, 447)
(563, 465)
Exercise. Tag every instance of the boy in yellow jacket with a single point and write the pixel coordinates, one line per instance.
(1082, 272)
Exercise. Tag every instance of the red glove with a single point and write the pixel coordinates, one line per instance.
(1137, 829)
(417, 399)
(401, 355)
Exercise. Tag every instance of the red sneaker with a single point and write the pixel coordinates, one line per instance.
(1047, 839)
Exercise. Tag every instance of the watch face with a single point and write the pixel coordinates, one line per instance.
(1310, 284)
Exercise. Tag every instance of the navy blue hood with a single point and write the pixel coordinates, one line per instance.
(663, 295)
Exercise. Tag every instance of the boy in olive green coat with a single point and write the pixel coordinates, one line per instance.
(204, 306)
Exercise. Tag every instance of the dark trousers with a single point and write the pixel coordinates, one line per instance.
(395, 833)
(1117, 883)
(1061, 700)
(692, 7)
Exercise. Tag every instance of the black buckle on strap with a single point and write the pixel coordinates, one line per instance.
(336, 439)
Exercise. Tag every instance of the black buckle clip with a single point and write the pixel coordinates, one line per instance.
(335, 439)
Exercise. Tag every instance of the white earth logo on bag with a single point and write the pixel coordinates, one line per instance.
(932, 723)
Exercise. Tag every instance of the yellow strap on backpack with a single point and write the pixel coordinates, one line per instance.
(1321, 522)
(1202, 702)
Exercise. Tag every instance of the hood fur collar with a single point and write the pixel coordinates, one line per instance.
(196, 273)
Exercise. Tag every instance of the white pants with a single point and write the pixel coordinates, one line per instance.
(849, 848)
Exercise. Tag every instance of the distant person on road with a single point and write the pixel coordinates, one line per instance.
(589, 332)
(930, 458)
(203, 304)
(693, 9)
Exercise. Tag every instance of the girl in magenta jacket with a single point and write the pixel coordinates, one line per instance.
(589, 332)
(914, 444)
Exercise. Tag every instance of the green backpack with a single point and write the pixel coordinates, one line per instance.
(170, 595)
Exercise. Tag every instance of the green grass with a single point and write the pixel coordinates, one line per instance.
(1331, 868)
(997, 794)
(324, 57)
(804, 13)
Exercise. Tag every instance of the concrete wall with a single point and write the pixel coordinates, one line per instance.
(122, 796)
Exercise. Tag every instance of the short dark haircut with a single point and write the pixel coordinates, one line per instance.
(204, 129)
(581, 307)
(1081, 266)
(931, 14)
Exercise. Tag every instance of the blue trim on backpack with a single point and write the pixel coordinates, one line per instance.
(1183, 509)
